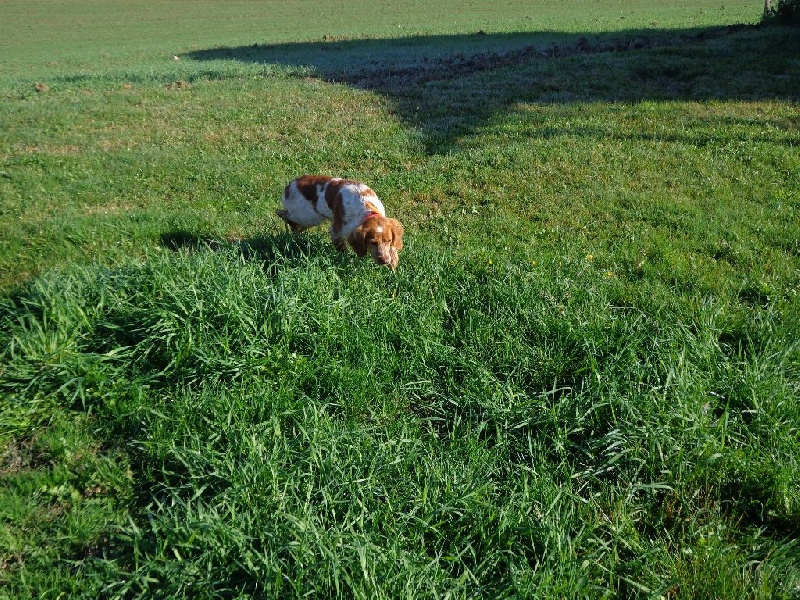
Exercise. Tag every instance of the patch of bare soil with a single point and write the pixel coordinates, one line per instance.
(462, 64)
(16, 457)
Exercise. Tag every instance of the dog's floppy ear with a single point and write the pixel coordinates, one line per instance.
(358, 242)
(397, 233)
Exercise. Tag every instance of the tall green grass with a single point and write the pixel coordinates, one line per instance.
(297, 422)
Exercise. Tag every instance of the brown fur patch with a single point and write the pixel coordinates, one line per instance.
(308, 186)
(338, 216)
(331, 193)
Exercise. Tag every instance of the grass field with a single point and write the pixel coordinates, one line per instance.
(583, 380)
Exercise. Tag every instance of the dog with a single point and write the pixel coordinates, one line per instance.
(356, 214)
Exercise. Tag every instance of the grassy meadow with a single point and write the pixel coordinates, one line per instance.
(583, 380)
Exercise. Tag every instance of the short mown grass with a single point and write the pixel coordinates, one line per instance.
(582, 381)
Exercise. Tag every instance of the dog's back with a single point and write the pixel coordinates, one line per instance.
(311, 200)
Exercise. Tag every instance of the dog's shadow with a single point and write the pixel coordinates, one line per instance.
(272, 250)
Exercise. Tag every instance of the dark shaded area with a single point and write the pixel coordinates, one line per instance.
(284, 245)
(274, 251)
(180, 239)
(448, 86)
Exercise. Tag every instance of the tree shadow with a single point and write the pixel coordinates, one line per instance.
(447, 87)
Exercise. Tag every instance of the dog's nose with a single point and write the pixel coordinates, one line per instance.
(385, 262)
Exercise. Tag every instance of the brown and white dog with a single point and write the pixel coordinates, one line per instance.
(356, 214)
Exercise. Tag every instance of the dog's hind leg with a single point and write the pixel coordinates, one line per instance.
(295, 227)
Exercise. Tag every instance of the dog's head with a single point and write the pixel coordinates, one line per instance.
(381, 237)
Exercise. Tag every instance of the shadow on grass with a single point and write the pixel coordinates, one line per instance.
(272, 250)
(449, 86)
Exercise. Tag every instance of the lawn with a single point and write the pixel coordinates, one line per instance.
(583, 380)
